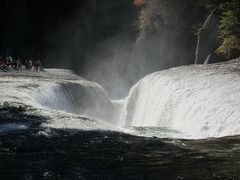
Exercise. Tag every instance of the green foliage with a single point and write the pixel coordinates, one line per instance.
(229, 27)
(229, 44)
(173, 22)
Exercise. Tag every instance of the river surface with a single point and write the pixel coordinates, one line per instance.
(56, 125)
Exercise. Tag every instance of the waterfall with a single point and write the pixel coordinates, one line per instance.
(199, 101)
(207, 59)
(204, 27)
(197, 49)
(58, 90)
(83, 98)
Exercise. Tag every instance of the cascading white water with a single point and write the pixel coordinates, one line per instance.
(59, 90)
(80, 97)
(197, 101)
(64, 99)
(200, 101)
(207, 59)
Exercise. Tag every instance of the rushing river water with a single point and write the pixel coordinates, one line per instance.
(181, 123)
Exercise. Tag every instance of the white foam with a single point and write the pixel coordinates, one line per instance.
(57, 90)
(198, 101)
(186, 102)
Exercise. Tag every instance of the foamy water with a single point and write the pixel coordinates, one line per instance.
(197, 101)
(67, 100)
(190, 102)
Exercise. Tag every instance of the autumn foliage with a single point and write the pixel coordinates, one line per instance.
(138, 2)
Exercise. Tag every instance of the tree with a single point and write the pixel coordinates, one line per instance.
(165, 33)
(229, 28)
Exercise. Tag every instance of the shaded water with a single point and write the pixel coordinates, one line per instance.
(47, 153)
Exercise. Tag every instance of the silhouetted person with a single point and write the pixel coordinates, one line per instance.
(30, 64)
(25, 63)
(19, 63)
(38, 65)
(7, 60)
(2, 63)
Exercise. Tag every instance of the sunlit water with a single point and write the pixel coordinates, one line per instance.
(199, 101)
(174, 124)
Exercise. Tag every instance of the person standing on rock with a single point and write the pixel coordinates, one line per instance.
(19, 63)
(2, 63)
(38, 65)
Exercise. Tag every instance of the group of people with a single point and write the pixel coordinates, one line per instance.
(18, 63)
